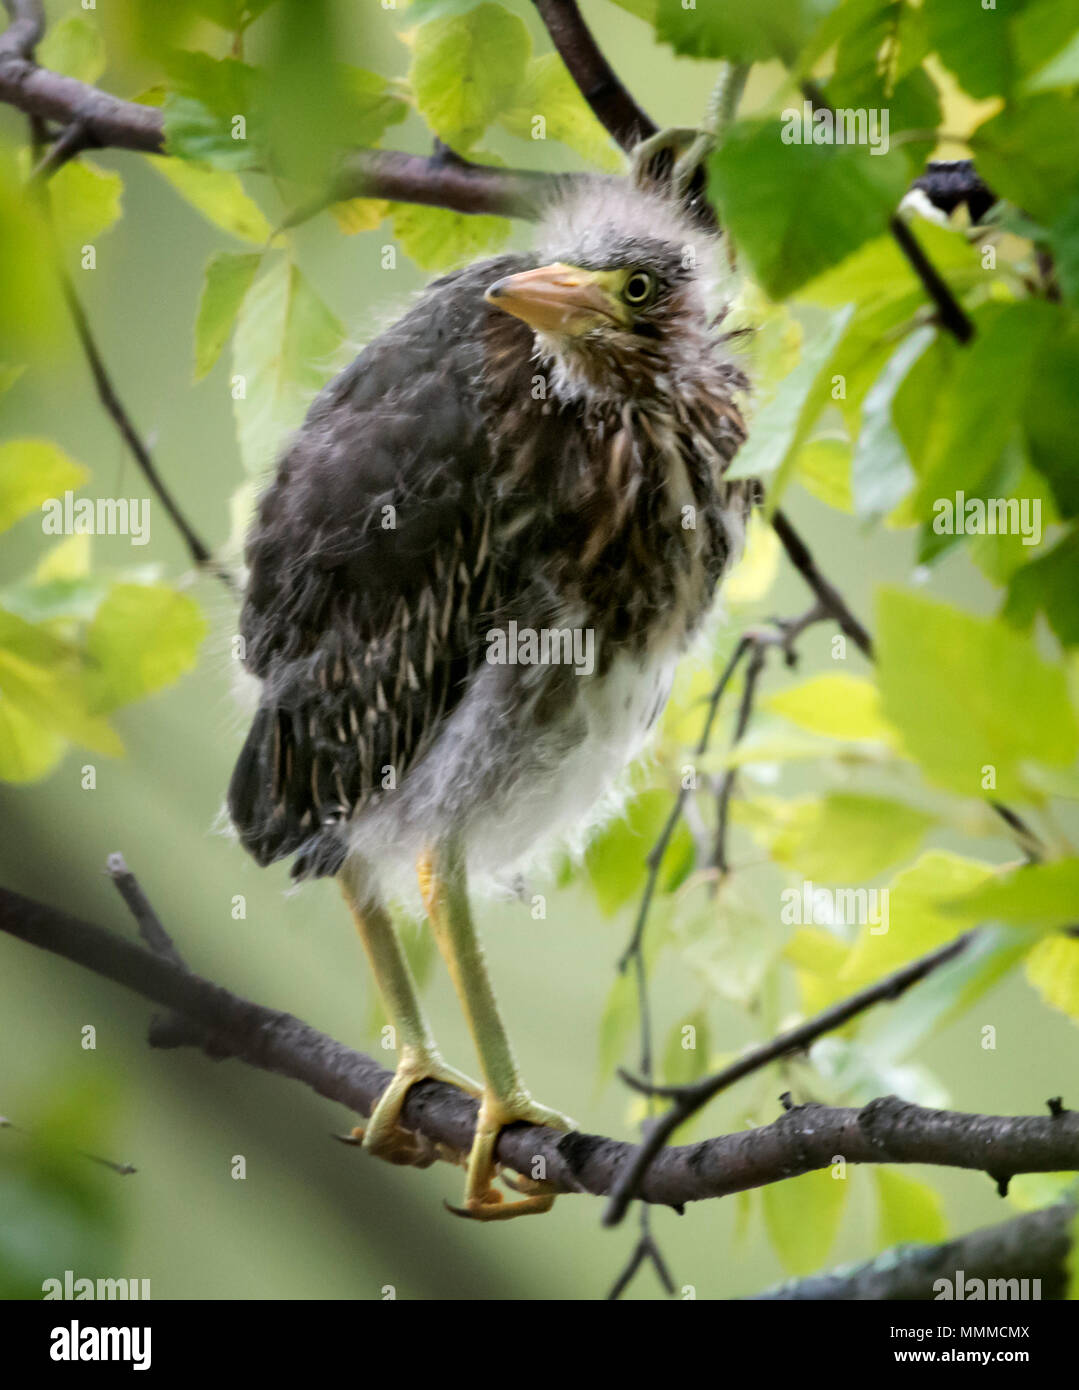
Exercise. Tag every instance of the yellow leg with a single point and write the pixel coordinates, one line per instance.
(505, 1099)
(418, 1057)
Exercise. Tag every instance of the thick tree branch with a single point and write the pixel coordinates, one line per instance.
(1033, 1246)
(887, 1130)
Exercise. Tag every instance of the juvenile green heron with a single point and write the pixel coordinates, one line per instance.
(537, 446)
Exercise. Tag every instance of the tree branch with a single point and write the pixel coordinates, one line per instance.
(596, 80)
(114, 407)
(689, 1099)
(1032, 1246)
(887, 1130)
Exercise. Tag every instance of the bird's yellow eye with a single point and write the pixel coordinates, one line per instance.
(638, 288)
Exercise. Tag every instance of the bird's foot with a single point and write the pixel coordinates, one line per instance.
(483, 1201)
(385, 1137)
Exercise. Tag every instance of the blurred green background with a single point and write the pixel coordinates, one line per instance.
(313, 1219)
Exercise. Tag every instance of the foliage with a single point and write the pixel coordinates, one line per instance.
(861, 400)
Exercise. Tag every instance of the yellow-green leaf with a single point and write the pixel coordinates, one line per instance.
(284, 349)
(228, 278)
(28, 750)
(972, 698)
(549, 106)
(85, 201)
(909, 1210)
(1039, 895)
(802, 1216)
(1053, 969)
(838, 706)
(436, 238)
(218, 194)
(142, 638)
(917, 922)
(74, 47)
(31, 472)
(467, 69)
(845, 837)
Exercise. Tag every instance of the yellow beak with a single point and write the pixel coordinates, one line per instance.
(555, 298)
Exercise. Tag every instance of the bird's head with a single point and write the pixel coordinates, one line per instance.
(618, 304)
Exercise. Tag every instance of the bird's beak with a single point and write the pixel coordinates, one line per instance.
(555, 298)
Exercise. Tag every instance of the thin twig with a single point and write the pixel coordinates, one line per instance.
(197, 548)
(689, 1099)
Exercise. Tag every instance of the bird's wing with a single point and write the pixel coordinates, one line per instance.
(368, 564)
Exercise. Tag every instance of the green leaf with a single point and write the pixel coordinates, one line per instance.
(969, 695)
(31, 472)
(9, 376)
(305, 93)
(1064, 238)
(643, 9)
(974, 421)
(1033, 1191)
(909, 1210)
(42, 678)
(839, 706)
(1060, 71)
(845, 837)
(782, 426)
(878, 68)
(1049, 585)
(1051, 417)
(218, 195)
(74, 47)
(796, 209)
(974, 43)
(31, 309)
(283, 350)
(374, 103)
(917, 921)
(467, 70)
(617, 1023)
(1027, 154)
(1039, 895)
(1053, 970)
(142, 638)
(823, 468)
(802, 1216)
(227, 279)
(28, 749)
(685, 1057)
(200, 115)
(881, 475)
(743, 33)
(616, 859)
(551, 94)
(85, 201)
(436, 238)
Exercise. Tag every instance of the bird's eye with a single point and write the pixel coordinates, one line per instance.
(638, 288)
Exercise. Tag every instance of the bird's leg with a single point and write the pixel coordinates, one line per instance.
(505, 1100)
(418, 1057)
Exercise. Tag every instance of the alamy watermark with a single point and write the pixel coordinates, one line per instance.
(545, 646)
(858, 125)
(989, 516)
(97, 516)
(854, 907)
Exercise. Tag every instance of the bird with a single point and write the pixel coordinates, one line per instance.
(470, 580)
